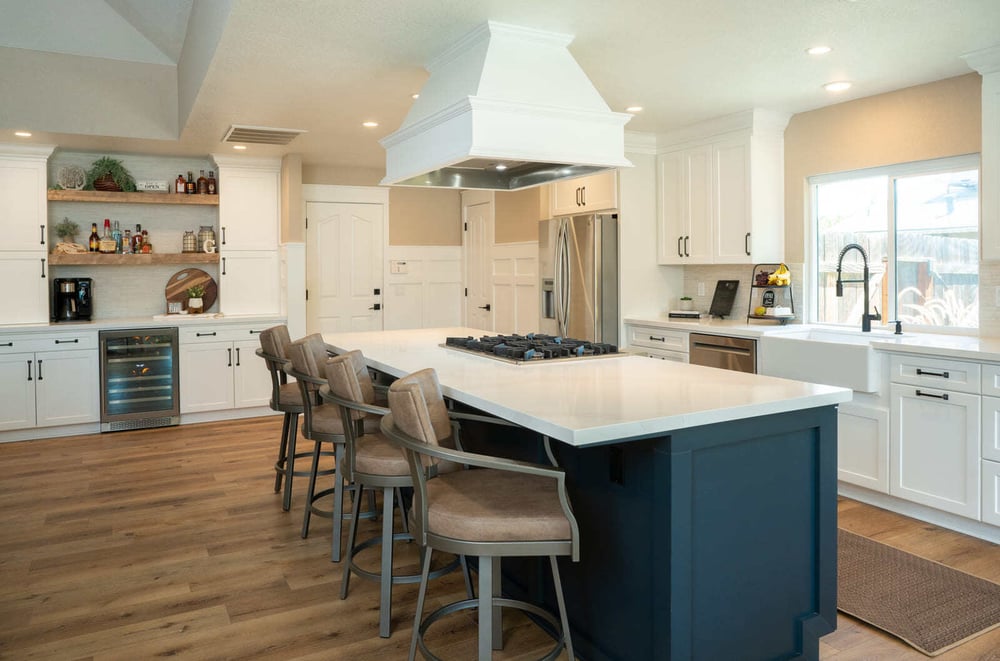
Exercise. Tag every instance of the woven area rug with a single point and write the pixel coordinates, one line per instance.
(930, 606)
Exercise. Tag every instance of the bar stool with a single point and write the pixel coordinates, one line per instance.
(287, 399)
(501, 508)
(372, 462)
(321, 424)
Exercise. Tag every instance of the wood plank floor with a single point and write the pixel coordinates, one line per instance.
(171, 542)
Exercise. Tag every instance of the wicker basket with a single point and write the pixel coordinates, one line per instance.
(106, 183)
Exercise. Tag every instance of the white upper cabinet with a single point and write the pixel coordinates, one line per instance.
(721, 192)
(597, 192)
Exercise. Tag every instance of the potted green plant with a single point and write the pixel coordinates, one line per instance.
(195, 303)
(67, 230)
(108, 174)
(687, 303)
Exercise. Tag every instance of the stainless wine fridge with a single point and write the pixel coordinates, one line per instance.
(139, 384)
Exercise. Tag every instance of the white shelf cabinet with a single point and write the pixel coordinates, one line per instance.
(219, 369)
(863, 446)
(23, 216)
(935, 433)
(721, 192)
(249, 218)
(48, 380)
(597, 192)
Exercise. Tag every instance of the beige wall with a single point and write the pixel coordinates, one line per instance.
(918, 123)
(292, 224)
(516, 215)
(417, 216)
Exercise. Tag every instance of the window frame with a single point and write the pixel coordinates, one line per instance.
(892, 173)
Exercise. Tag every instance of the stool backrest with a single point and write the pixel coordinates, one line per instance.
(274, 344)
(309, 357)
(349, 379)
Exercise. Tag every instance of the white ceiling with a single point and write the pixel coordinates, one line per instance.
(327, 65)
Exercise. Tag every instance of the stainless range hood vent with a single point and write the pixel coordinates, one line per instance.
(261, 135)
(511, 97)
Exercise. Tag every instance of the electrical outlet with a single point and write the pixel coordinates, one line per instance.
(701, 289)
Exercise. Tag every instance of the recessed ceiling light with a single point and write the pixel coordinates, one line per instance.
(818, 50)
(414, 96)
(634, 109)
(239, 147)
(369, 125)
(837, 86)
(501, 167)
(23, 134)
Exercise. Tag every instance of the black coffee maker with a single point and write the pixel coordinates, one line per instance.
(72, 299)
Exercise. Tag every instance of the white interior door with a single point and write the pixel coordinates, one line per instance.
(343, 266)
(477, 242)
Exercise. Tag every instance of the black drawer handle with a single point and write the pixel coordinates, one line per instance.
(255, 332)
(943, 375)
(212, 334)
(73, 341)
(8, 344)
(943, 396)
(658, 339)
(230, 352)
(39, 370)
(29, 370)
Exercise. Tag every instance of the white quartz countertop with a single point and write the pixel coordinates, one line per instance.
(587, 401)
(144, 322)
(943, 346)
(731, 327)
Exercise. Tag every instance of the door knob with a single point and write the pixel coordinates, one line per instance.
(377, 306)
(485, 307)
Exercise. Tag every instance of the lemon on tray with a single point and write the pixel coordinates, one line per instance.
(760, 311)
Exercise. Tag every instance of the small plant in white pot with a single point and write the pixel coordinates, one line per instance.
(687, 304)
(195, 303)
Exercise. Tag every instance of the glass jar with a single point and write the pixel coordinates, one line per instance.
(190, 242)
(206, 233)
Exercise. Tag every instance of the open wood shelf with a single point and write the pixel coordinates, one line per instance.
(130, 198)
(97, 259)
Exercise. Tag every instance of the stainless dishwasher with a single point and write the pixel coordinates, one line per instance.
(729, 353)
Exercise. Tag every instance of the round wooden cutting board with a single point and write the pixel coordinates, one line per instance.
(180, 282)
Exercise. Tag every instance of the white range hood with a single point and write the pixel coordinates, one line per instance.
(509, 96)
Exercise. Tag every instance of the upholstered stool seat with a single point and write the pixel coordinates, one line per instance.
(499, 508)
(375, 454)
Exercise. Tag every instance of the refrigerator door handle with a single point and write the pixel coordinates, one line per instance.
(562, 276)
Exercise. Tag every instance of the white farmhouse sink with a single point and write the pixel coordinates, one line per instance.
(818, 355)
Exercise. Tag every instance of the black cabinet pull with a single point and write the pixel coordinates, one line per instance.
(255, 332)
(43, 234)
(212, 334)
(686, 253)
(223, 266)
(39, 370)
(583, 196)
(746, 243)
(943, 396)
(223, 236)
(29, 370)
(230, 352)
(943, 375)
(657, 339)
(75, 340)
(8, 344)
(43, 268)
(237, 356)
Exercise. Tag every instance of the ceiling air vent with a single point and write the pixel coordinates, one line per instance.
(260, 135)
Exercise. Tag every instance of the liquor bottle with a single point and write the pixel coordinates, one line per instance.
(146, 245)
(116, 234)
(213, 185)
(95, 240)
(127, 243)
(107, 244)
(137, 239)
(202, 184)
(180, 184)
(189, 185)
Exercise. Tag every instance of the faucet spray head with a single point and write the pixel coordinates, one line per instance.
(840, 286)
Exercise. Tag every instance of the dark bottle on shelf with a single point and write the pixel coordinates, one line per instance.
(189, 185)
(95, 239)
(202, 184)
(137, 239)
(213, 185)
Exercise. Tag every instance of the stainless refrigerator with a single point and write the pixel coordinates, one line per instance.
(578, 269)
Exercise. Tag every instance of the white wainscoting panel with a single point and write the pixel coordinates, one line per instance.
(515, 287)
(427, 293)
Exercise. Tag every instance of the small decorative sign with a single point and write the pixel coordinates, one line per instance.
(767, 300)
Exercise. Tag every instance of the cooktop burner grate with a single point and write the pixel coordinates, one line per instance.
(530, 347)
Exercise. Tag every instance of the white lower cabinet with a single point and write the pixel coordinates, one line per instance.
(220, 372)
(674, 356)
(991, 492)
(49, 388)
(657, 342)
(863, 446)
(935, 448)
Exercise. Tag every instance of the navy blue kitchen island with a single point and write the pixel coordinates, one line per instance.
(706, 499)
